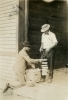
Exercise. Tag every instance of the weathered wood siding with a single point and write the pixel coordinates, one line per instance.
(55, 14)
(8, 37)
(6, 67)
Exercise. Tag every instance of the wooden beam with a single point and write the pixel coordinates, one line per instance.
(26, 19)
(17, 30)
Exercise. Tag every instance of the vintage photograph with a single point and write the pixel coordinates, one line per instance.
(33, 49)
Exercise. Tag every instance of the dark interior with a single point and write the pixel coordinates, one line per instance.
(54, 13)
(40, 12)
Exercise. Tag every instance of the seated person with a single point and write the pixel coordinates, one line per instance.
(21, 66)
(48, 42)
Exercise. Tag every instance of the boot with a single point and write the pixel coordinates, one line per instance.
(43, 78)
(6, 88)
(49, 79)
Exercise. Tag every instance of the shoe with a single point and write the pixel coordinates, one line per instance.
(6, 88)
(49, 80)
(42, 80)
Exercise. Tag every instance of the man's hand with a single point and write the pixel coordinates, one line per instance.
(32, 65)
(40, 60)
(47, 50)
(41, 49)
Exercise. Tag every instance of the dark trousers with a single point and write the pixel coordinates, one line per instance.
(51, 59)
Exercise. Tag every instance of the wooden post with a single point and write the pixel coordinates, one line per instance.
(26, 19)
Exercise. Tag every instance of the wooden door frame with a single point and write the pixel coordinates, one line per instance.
(26, 19)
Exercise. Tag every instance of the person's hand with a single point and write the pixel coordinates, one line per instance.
(32, 65)
(40, 49)
(40, 60)
(47, 50)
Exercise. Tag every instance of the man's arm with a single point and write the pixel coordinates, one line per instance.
(53, 45)
(29, 60)
(41, 47)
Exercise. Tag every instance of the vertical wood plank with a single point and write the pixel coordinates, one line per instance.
(17, 29)
(26, 19)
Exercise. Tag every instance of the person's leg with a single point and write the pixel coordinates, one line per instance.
(17, 83)
(51, 64)
(6, 87)
(20, 82)
(13, 85)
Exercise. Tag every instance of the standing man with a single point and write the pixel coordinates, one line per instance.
(48, 42)
(20, 67)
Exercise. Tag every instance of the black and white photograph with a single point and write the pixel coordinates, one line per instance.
(33, 49)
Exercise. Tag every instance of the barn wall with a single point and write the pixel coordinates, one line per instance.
(8, 37)
(6, 67)
(55, 14)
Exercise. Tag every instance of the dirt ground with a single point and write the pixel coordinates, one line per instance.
(9, 95)
(57, 90)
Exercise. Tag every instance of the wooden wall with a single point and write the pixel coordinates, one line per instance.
(6, 67)
(8, 37)
(55, 14)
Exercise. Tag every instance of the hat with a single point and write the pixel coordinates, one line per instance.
(26, 43)
(45, 27)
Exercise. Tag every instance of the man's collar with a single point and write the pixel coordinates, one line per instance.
(47, 33)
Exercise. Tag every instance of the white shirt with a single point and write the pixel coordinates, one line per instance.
(48, 39)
